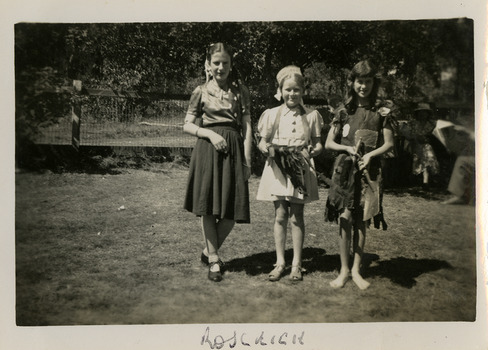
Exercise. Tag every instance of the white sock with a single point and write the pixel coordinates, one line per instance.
(213, 258)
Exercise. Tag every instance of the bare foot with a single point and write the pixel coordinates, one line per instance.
(340, 281)
(360, 281)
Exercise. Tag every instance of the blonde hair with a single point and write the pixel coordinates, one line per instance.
(286, 73)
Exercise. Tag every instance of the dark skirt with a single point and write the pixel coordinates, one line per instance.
(216, 184)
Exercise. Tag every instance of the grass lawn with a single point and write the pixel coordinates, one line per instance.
(118, 249)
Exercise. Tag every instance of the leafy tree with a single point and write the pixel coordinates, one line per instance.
(40, 70)
(169, 57)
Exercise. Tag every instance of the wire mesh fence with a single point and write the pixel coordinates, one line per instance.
(130, 120)
(115, 118)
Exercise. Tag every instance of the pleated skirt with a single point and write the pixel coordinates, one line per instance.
(216, 184)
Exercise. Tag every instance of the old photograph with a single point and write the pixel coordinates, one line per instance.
(247, 183)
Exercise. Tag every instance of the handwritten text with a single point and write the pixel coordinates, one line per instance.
(219, 341)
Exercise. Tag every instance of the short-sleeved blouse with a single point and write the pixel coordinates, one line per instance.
(217, 106)
(291, 130)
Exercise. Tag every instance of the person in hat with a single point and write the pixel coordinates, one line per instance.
(290, 137)
(220, 164)
(418, 133)
(361, 134)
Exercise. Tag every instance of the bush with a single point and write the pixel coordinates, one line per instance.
(38, 103)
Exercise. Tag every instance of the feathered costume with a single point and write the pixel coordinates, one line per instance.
(360, 191)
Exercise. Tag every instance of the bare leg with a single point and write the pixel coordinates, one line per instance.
(297, 231)
(358, 248)
(345, 225)
(279, 229)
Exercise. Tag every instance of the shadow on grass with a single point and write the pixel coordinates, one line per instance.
(98, 159)
(401, 271)
(430, 194)
(313, 259)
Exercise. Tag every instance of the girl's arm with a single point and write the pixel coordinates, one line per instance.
(264, 128)
(263, 146)
(316, 147)
(191, 128)
(387, 145)
(334, 146)
(247, 135)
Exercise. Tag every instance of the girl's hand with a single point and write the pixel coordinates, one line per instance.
(311, 151)
(316, 148)
(247, 172)
(263, 147)
(351, 150)
(306, 152)
(218, 142)
(364, 161)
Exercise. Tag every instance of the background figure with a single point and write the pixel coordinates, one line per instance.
(290, 136)
(392, 162)
(324, 162)
(220, 165)
(462, 182)
(459, 140)
(417, 132)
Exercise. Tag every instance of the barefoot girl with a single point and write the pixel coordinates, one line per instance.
(365, 133)
(290, 136)
(220, 165)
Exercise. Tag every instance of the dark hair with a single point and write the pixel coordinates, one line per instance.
(219, 47)
(229, 50)
(363, 69)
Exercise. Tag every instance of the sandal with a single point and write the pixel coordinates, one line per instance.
(275, 275)
(296, 273)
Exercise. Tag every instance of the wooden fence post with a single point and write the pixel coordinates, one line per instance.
(76, 115)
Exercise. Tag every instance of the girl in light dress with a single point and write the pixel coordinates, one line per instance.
(290, 137)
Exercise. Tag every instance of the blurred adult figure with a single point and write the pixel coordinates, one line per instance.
(417, 132)
(459, 140)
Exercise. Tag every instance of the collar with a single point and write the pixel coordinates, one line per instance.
(296, 111)
(214, 89)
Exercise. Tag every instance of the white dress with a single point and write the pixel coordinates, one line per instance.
(290, 132)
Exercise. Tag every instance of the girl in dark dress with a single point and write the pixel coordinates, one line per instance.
(365, 133)
(220, 165)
